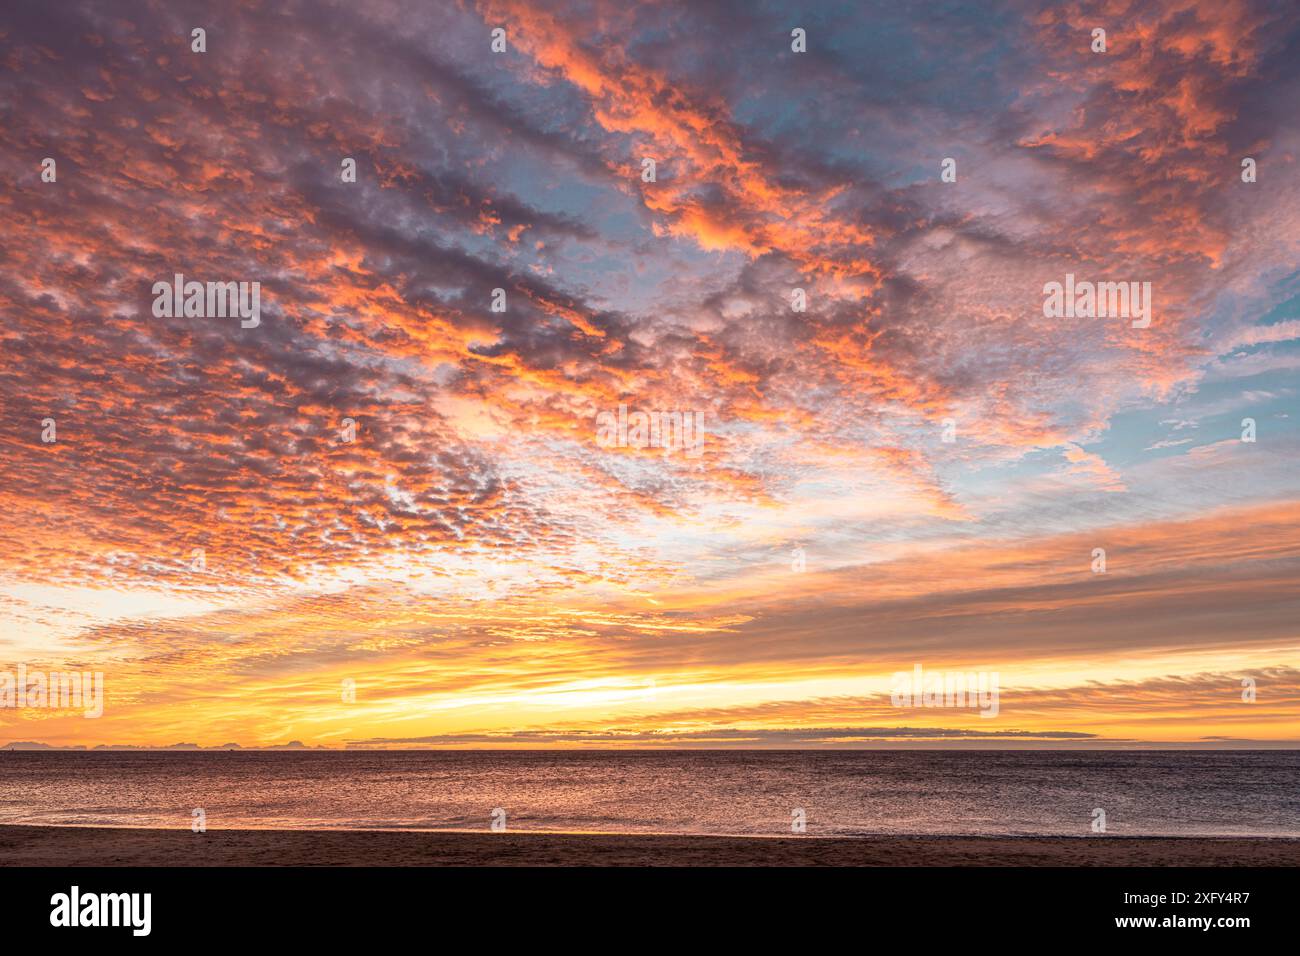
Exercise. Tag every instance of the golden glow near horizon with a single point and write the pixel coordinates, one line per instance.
(747, 659)
(386, 516)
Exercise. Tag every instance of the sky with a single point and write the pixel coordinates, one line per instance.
(385, 515)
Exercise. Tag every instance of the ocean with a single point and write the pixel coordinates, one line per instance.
(750, 793)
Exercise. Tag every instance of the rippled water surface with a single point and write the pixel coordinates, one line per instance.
(722, 792)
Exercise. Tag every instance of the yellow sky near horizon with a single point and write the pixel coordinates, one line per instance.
(763, 653)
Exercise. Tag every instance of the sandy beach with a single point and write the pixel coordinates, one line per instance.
(85, 846)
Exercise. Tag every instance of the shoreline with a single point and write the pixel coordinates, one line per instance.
(23, 845)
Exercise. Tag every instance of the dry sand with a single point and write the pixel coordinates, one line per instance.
(86, 846)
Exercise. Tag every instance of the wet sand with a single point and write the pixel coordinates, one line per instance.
(87, 846)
